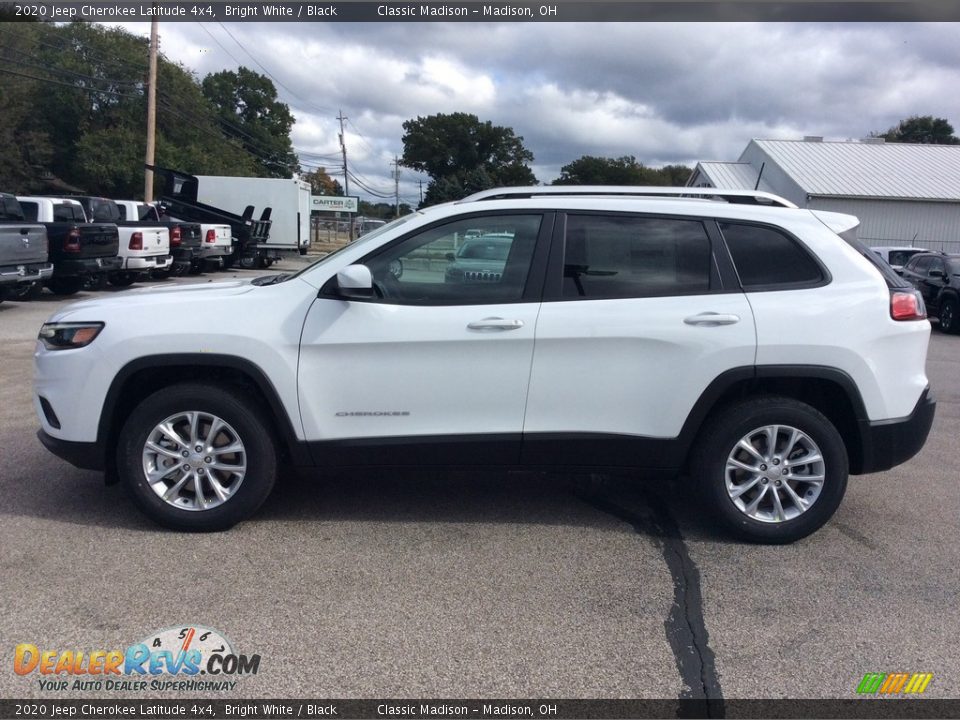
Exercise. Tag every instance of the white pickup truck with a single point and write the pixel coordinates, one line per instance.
(144, 245)
(217, 245)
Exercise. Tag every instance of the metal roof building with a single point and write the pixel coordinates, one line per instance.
(902, 193)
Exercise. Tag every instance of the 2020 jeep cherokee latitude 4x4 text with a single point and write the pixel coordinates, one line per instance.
(744, 345)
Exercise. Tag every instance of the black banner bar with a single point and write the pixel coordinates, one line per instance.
(54, 709)
(440, 11)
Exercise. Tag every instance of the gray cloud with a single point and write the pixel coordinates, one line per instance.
(664, 92)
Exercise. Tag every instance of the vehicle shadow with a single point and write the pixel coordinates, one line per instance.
(621, 504)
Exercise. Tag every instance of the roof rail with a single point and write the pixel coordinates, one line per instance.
(743, 197)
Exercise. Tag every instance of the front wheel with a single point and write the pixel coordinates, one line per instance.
(949, 322)
(197, 457)
(771, 470)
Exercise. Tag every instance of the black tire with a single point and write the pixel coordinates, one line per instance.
(27, 291)
(122, 279)
(949, 322)
(719, 439)
(241, 416)
(65, 285)
(98, 281)
(229, 260)
(248, 262)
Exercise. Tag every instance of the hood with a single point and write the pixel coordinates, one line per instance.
(192, 294)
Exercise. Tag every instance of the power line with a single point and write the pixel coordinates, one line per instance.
(69, 85)
(260, 64)
(222, 47)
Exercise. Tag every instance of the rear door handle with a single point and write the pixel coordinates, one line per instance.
(495, 323)
(711, 319)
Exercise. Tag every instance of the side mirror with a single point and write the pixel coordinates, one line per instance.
(936, 273)
(450, 257)
(355, 281)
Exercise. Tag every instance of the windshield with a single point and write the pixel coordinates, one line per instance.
(372, 235)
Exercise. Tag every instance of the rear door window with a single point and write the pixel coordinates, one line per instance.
(767, 259)
(609, 256)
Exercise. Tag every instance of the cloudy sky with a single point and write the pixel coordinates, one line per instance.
(664, 93)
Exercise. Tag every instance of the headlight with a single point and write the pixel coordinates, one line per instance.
(68, 335)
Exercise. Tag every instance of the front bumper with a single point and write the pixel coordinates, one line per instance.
(84, 455)
(888, 443)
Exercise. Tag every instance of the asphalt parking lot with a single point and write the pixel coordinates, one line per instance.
(478, 585)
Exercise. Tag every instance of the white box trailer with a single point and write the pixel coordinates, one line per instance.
(289, 200)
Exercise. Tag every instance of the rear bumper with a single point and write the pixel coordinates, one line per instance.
(216, 251)
(888, 443)
(84, 455)
(146, 264)
(27, 272)
(86, 266)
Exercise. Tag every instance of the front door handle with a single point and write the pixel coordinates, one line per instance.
(711, 319)
(495, 323)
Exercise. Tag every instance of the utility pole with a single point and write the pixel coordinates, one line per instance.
(396, 184)
(421, 192)
(346, 175)
(151, 114)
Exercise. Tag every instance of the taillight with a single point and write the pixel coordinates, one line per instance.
(907, 305)
(72, 242)
(175, 236)
(211, 235)
(136, 241)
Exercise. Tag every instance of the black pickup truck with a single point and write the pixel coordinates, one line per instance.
(81, 252)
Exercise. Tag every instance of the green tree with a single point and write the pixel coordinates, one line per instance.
(249, 110)
(625, 170)
(461, 154)
(925, 129)
(322, 184)
(674, 175)
(78, 122)
(27, 148)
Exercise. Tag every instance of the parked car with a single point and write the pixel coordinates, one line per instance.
(896, 255)
(937, 277)
(23, 251)
(481, 258)
(759, 350)
(82, 253)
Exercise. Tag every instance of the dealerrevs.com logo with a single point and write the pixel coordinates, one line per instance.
(187, 658)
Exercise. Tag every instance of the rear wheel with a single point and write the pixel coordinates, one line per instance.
(65, 285)
(197, 457)
(949, 322)
(771, 470)
(122, 279)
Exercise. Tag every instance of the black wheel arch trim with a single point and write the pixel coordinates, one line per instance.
(107, 427)
(748, 375)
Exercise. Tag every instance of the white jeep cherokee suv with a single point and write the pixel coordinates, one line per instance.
(748, 345)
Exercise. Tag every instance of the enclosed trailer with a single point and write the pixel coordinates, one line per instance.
(288, 198)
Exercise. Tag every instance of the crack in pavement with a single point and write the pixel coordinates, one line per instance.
(685, 627)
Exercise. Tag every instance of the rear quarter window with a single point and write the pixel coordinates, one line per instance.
(767, 259)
